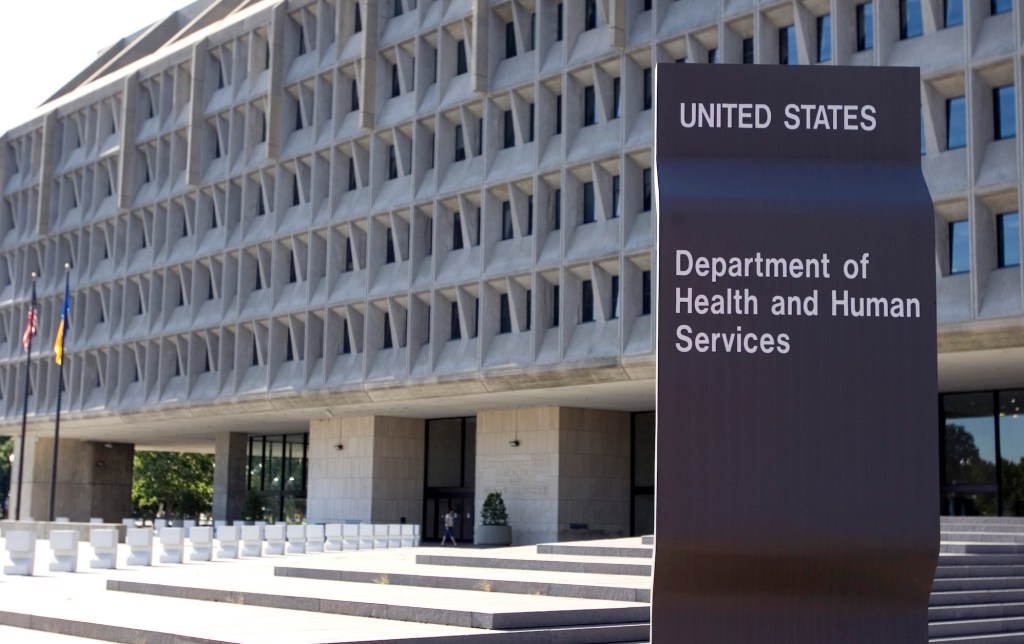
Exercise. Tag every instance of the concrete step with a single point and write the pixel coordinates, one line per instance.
(976, 548)
(467, 609)
(985, 536)
(979, 596)
(949, 559)
(29, 636)
(538, 586)
(972, 627)
(975, 611)
(964, 584)
(647, 540)
(557, 565)
(982, 522)
(952, 572)
(586, 550)
(992, 638)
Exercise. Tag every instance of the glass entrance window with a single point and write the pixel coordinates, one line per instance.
(643, 473)
(1011, 451)
(450, 476)
(969, 454)
(278, 468)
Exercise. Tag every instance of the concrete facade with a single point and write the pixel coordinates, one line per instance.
(349, 217)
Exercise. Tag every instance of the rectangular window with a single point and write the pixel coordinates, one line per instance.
(396, 88)
(589, 106)
(430, 237)
(529, 309)
(388, 343)
(959, 247)
(456, 231)
(455, 332)
(712, 55)
(358, 21)
(615, 297)
(389, 248)
(824, 37)
(461, 67)
(956, 123)
(399, 10)
(510, 133)
(647, 5)
(648, 88)
(558, 22)
(346, 344)
(954, 13)
(590, 15)
(1008, 229)
(558, 112)
(504, 315)
(349, 263)
(911, 24)
(616, 211)
(533, 31)
(555, 307)
(506, 220)
(586, 301)
(647, 190)
(354, 95)
(1004, 115)
(510, 39)
(787, 46)
(748, 51)
(865, 26)
(645, 286)
(352, 174)
(529, 133)
(460, 144)
(616, 98)
(392, 163)
(1001, 6)
(557, 210)
(589, 212)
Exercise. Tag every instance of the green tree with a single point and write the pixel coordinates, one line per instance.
(182, 483)
(6, 448)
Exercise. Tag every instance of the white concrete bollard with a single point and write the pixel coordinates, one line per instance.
(202, 543)
(333, 537)
(64, 544)
(350, 536)
(380, 535)
(159, 524)
(315, 537)
(128, 522)
(365, 536)
(104, 546)
(394, 535)
(227, 538)
(140, 545)
(252, 540)
(188, 523)
(296, 535)
(408, 535)
(172, 542)
(219, 522)
(21, 548)
(275, 538)
(62, 520)
(95, 519)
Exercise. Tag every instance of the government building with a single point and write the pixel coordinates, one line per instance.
(383, 257)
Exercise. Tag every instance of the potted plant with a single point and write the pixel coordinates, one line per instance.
(494, 529)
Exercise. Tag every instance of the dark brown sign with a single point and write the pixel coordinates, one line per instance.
(797, 457)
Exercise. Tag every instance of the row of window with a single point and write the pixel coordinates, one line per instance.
(1004, 118)
(912, 23)
(1007, 243)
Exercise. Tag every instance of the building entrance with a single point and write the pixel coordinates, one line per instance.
(450, 476)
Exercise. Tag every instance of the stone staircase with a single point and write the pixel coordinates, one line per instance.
(978, 594)
(569, 593)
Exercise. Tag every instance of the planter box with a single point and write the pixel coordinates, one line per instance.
(492, 535)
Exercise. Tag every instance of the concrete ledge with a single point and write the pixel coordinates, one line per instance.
(497, 620)
(43, 528)
(599, 568)
(594, 551)
(546, 589)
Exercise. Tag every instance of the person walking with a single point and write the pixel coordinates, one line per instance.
(449, 523)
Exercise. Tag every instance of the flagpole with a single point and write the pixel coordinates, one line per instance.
(60, 387)
(24, 409)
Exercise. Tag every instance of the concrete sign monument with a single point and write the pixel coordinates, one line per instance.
(797, 456)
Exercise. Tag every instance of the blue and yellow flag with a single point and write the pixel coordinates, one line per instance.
(65, 321)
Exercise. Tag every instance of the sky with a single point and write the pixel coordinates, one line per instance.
(45, 43)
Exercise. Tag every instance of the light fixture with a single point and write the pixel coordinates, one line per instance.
(339, 447)
(514, 442)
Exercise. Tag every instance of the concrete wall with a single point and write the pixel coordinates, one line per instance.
(229, 476)
(93, 480)
(377, 475)
(571, 467)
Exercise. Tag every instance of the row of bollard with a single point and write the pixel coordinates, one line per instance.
(233, 541)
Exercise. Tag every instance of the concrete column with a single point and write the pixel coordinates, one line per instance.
(93, 480)
(229, 476)
(368, 468)
(568, 477)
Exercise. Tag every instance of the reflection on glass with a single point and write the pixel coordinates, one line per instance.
(959, 247)
(1011, 449)
(969, 447)
(444, 453)
(1008, 232)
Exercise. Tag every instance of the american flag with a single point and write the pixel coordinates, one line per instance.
(31, 320)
